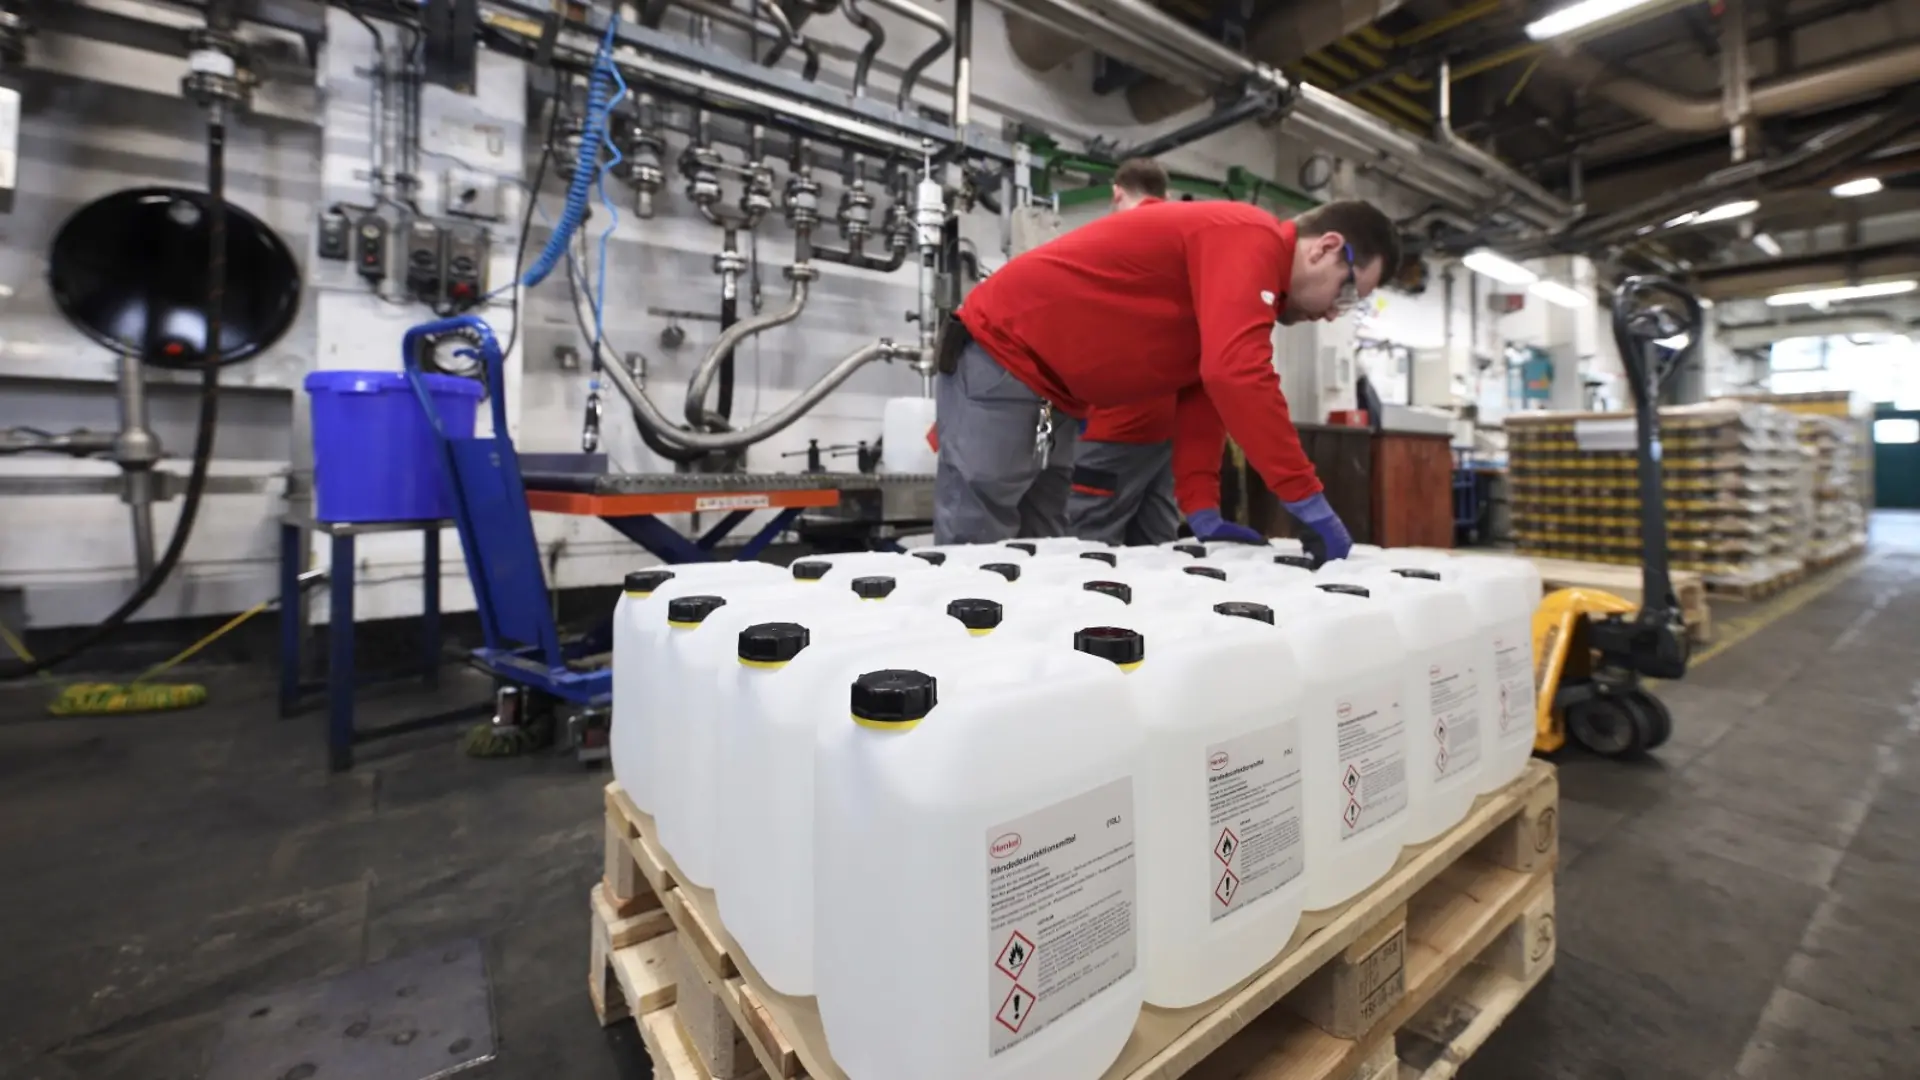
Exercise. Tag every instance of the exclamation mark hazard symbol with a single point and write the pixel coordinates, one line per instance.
(1015, 1010)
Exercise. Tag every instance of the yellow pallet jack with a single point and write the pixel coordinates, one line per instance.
(1593, 650)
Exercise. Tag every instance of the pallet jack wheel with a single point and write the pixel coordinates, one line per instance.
(1607, 725)
(1653, 716)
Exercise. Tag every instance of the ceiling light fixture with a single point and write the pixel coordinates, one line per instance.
(1503, 270)
(1728, 211)
(1866, 185)
(1555, 293)
(1818, 297)
(1765, 242)
(1579, 16)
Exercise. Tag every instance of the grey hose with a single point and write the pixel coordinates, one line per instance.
(943, 42)
(730, 339)
(649, 414)
(876, 38)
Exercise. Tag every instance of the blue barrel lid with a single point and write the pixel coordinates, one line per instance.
(373, 382)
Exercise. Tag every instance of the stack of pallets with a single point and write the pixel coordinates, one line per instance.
(1738, 491)
(1406, 980)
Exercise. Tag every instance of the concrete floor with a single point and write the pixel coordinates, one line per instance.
(1741, 906)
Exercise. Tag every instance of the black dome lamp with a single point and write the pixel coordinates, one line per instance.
(130, 270)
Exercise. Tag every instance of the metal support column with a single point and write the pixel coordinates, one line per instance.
(340, 735)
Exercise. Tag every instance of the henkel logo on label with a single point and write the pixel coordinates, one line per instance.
(1217, 762)
(1004, 846)
(1433, 672)
(1345, 710)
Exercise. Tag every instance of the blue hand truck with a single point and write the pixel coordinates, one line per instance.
(523, 651)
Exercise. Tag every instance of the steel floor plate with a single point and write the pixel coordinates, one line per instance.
(423, 1015)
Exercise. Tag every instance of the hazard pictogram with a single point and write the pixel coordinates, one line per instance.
(1225, 890)
(1351, 781)
(1440, 730)
(1015, 1010)
(1352, 815)
(1014, 955)
(1224, 847)
(1440, 759)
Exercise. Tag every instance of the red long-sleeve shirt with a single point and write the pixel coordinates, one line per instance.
(1142, 423)
(1166, 300)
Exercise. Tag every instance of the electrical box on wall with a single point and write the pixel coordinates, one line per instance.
(470, 194)
(466, 265)
(370, 248)
(424, 260)
(335, 236)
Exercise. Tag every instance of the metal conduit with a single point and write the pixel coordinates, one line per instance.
(729, 340)
(650, 414)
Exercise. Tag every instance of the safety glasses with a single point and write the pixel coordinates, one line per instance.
(1349, 297)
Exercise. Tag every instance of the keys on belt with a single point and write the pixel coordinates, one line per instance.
(1043, 435)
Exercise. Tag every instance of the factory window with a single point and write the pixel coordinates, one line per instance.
(1896, 430)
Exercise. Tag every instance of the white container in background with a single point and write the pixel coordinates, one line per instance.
(703, 640)
(951, 583)
(957, 555)
(905, 423)
(764, 875)
(1510, 592)
(1353, 737)
(639, 628)
(1051, 614)
(1223, 842)
(977, 890)
(1446, 685)
(840, 567)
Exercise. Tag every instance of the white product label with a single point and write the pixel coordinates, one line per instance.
(1060, 888)
(1453, 689)
(1513, 666)
(1253, 816)
(732, 502)
(1373, 761)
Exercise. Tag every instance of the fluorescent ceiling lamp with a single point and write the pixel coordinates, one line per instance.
(1674, 223)
(1578, 16)
(1505, 271)
(1728, 211)
(1556, 293)
(1765, 242)
(1847, 292)
(1868, 185)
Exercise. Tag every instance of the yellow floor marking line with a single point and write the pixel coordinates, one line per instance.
(1728, 632)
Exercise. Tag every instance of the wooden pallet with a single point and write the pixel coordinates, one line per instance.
(1747, 589)
(1406, 980)
(1834, 558)
(1624, 581)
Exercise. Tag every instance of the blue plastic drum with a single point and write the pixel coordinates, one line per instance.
(375, 455)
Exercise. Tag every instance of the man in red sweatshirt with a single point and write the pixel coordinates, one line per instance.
(1167, 299)
(1122, 479)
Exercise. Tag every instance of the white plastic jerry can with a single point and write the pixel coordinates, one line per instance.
(1223, 841)
(1445, 690)
(639, 672)
(1353, 738)
(785, 674)
(977, 893)
(702, 642)
(1507, 592)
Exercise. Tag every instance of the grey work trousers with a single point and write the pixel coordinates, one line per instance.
(1123, 493)
(989, 484)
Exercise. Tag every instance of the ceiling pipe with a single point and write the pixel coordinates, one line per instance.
(1755, 335)
(1811, 88)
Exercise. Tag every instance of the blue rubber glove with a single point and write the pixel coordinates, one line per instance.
(1209, 525)
(1315, 514)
